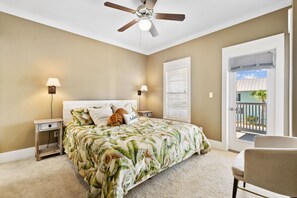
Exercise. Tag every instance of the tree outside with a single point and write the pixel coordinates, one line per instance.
(260, 94)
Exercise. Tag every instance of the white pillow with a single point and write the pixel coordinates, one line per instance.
(100, 115)
(128, 107)
(130, 118)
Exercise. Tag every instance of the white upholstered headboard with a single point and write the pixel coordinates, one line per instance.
(69, 105)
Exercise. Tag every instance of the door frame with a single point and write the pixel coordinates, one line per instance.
(273, 42)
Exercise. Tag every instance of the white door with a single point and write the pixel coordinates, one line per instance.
(252, 106)
(253, 91)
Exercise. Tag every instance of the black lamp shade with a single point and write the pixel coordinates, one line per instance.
(51, 90)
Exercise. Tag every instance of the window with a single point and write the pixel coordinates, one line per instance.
(177, 90)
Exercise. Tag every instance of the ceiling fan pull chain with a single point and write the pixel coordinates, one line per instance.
(140, 38)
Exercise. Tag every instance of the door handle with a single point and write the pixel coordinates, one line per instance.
(233, 109)
(237, 110)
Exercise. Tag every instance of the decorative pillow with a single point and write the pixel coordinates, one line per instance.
(128, 107)
(130, 118)
(115, 120)
(100, 116)
(81, 116)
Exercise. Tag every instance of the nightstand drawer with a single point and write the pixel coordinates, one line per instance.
(48, 126)
(148, 114)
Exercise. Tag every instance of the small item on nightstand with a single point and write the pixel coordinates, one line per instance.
(47, 126)
(148, 114)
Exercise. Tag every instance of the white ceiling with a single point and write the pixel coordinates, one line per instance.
(90, 18)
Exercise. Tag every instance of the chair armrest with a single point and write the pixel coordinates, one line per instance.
(275, 142)
(272, 169)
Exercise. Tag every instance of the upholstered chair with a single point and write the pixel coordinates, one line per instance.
(271, 165)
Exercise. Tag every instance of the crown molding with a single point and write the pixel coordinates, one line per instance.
(67, 28)
(91, 35)
(228, 24)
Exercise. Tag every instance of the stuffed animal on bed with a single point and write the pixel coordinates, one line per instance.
(121, 111)
(117, 118)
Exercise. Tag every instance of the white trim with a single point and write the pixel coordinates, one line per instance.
(20, 154)
(180, 63)
(30, 152)
(290, 30)
(268, 43)
(95, 36)
(214, 144)
(68, 28)
(236, 21)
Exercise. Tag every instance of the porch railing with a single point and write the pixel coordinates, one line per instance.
(251, 117)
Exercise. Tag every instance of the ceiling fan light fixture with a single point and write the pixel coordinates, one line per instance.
(144, 24)
(144, 14)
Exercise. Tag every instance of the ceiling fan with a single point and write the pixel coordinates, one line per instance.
(145, 13)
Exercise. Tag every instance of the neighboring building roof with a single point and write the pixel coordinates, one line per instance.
(252, 84)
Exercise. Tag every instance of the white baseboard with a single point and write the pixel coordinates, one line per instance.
(217, 145)
(30, 152)
(20, 154)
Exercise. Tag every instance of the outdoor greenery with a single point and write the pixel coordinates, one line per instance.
(251, 120)
(260, 94)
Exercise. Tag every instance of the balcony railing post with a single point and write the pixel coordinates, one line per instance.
(251, 117)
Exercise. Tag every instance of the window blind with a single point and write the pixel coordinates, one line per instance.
(264, 60)
(177, 93)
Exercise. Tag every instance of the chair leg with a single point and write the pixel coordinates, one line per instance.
(235, 184)
(244, 184)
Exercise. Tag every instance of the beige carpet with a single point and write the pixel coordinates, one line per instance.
(200, 176)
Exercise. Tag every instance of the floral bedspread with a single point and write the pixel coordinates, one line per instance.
(115, 159)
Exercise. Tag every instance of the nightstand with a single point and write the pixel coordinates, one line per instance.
(148, 114)
(47, 126)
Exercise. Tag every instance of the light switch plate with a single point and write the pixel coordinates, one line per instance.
(210, 94)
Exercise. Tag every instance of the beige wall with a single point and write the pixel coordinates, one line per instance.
(206, 54)
(87, 69)
(294, 68)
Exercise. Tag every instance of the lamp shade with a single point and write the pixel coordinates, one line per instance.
(145, 24)
(144, 88)
(53, 82)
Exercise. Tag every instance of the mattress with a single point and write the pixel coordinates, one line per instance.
(112, 160)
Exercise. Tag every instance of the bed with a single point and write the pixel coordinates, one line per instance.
(113, 160)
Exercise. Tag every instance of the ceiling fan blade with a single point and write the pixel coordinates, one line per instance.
(119, 7)
(128, 25)
(154, 31)
(174, 17)
(150, 3)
